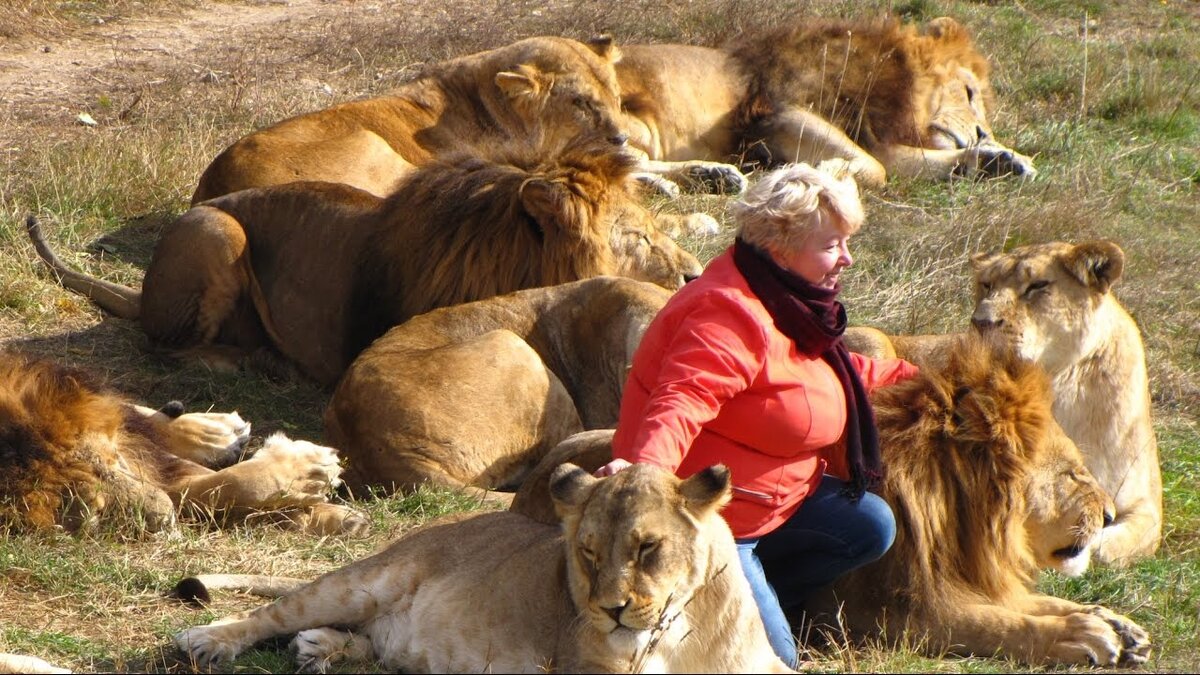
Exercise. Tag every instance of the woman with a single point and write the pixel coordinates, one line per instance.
(744, 366)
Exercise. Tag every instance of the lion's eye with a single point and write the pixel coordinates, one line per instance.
(647, 549)
(1036, 286)
(970, 94)
(985, 286)
(588, 554)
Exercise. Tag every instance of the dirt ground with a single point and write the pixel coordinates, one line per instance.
(49, 78)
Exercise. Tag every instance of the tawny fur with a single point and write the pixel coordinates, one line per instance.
(541, 90)
(472, 396)
(75, 454)
(890, 98)
(642, 577)
(313, 272)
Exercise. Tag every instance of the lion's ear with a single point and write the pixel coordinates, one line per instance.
(605, 47)
(551, 205)
(1097, 264)
(945, 28)
(569, 485)
(982, 260)
(519, 82)
(706, 490)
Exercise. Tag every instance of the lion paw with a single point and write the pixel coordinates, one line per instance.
(1085, 639)
(331, 520)
(205, 649)
(716, 178)
(303, 472)
(1135, 641)
(214, 440)
(998, 161)
(655, 182)
(318, 648)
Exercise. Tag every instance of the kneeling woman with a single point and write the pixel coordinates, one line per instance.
(745, 366)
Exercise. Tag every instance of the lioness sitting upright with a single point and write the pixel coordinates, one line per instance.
(889, 98)
(1053, 303)
(541, 89)
(313, 272)
(642, 577)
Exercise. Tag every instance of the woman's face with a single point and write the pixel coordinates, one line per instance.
(821, 258)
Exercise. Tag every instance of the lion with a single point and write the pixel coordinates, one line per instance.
(313, 272)
(987, 490)
(889, 98)
(1053, 303)
(541, 89)
(472, 396)
(641, 577)
(75, 454)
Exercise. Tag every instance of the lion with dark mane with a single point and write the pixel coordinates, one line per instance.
(316, 271)
(889, 98)
(987, 490)
(75, 454)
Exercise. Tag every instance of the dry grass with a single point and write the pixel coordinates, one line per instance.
(1112, 120)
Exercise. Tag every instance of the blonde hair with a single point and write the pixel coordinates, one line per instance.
(785, 206)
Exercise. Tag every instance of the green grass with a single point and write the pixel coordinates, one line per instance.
(1112, 122)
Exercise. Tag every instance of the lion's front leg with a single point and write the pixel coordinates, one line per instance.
(349, 597)
(987, 160)
(802, 136)
(1079, 638)
(282, 474)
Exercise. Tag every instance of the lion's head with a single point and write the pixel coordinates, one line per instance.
(638, 543)
(985, 486)
(560, 88)
(1039, 300)
(885, 83)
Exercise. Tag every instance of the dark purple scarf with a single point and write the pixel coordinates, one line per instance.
(813, 318)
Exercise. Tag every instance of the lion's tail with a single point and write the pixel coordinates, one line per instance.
(195, 590)
(118, 300)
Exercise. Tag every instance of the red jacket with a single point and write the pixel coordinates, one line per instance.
(713, 381)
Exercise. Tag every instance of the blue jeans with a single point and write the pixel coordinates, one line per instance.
(828, 536)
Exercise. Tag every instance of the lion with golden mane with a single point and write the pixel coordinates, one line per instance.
(889, 98)
(472, 396)
(542, 89)
(316, 271)
(986, 490)
(641, 577)
(1053, 303)
(75, 454)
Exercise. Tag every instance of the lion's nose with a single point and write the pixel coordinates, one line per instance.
(614, 613)
(984, 325)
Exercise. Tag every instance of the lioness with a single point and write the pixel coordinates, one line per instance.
(642, 577)
(472, 396)
(544, 89)
(76, 453)
(884, 96)
(315, 271)
(986, 489)
(1053, 303)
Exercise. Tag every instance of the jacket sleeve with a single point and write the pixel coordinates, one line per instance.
(716, 351)
(877, 373)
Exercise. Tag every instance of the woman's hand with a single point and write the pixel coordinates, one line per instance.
(611, 468)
